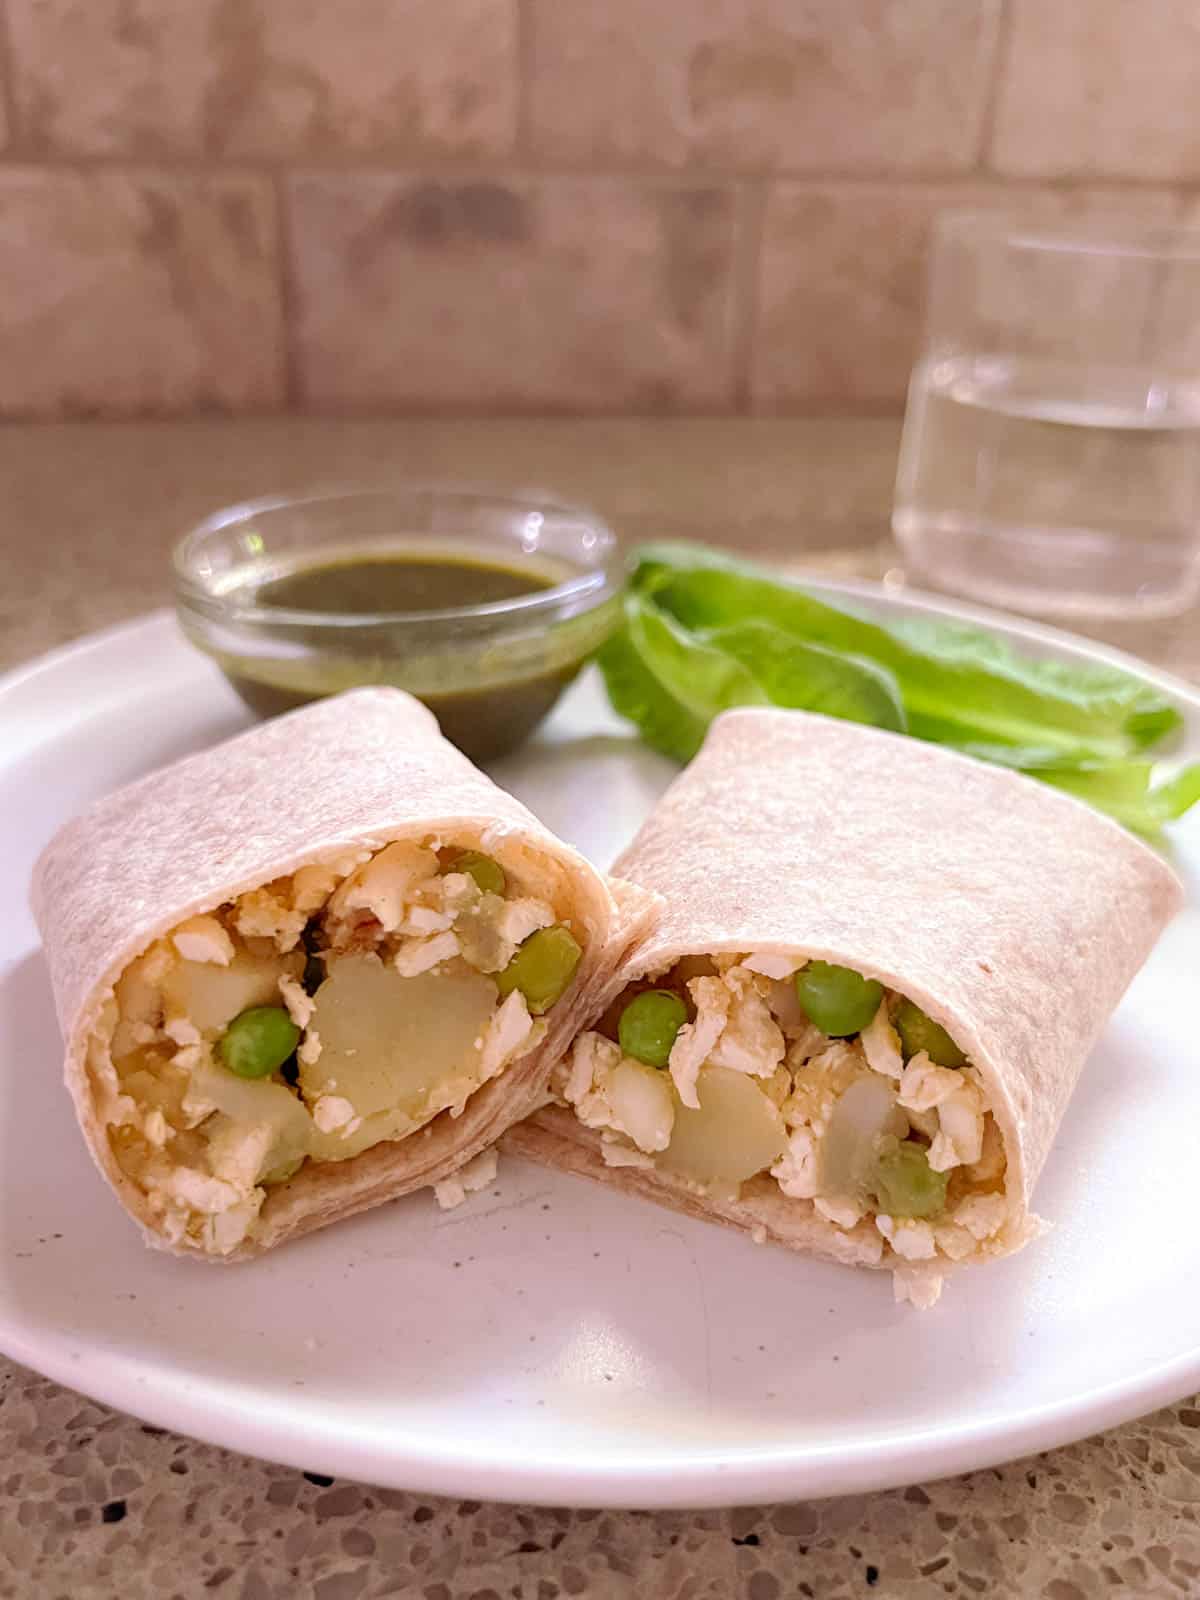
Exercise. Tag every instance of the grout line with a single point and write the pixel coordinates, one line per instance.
(527, 172)
(8, 83)
(288, 298)
(744, 290)
(523, 67)
(1001, 67)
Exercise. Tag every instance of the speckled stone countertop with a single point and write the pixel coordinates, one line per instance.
(96, 1504)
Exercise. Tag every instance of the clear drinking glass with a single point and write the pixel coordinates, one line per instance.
(1051, 451)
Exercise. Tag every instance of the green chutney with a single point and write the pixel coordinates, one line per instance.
(488, 691)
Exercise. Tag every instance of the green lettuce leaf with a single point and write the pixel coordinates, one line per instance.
(704, 632)
(668, 682)
(957, 683)
(808, 677)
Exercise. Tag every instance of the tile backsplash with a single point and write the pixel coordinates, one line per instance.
(559, 206)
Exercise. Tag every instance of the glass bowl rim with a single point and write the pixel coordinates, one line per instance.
(599, 583)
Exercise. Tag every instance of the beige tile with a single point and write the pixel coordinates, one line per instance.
(834, 85)
(842, 281)
(583, 295)
(1110, 87)
(135, 294)
(267, 77)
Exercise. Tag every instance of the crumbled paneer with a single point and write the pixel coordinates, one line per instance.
(506, 1033)
(312, 886)
(384, 883)
(955, 1243)
(264, 914)
(771, 966)
(881, 1044)
(820, 1082)
(982, 1215)
(300, 1005)
(417, 955)
(797, 1173)
(910, 1237)
(959, 1139)
(477, 1174)
(460, 892)
(226, 1230)
(237, 1152)
(923, 1087)
(695, 1041)
(203, 939)
(199, 1191)
(520, 918)
(843, 1213)
(751, 1040)
(154, 1126)
(424, 920)
(177, 1028)
(920, 1287)
(592, 1059)
(575, 1074)
(332, 1112)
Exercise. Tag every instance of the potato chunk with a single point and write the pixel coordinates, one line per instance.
(735, 1133)
(388, 1043)
(261, 1125)
(210, 996)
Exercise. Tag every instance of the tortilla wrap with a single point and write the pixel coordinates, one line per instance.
(348, 774)
(1012, 914)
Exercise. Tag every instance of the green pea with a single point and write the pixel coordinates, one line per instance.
(542, 967)
(258, 1042)
(488, 874)
(840, 1002)
(919, 1032)
(649, 1024)
(906, 1185)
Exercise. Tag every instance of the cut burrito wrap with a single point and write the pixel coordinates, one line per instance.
(310, 969)
(980, 928)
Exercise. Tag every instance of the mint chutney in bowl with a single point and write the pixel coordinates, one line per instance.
(483, 606)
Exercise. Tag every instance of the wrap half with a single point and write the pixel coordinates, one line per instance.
(855, 1030)
(313, 968)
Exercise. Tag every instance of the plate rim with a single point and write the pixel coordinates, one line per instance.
(718, 1478)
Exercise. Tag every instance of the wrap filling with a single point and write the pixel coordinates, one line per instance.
(316, 1016)
(739, 1073)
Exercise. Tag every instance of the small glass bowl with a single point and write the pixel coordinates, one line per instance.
(490, 672)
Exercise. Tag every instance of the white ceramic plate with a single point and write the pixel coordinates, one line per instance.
(551, 1341)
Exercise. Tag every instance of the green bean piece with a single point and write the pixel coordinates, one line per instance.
(837, 1000)
(258, 1042)
(649, 1024)
(541, 968)
(906, 1185)
(919, 1032)
(488, 874)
